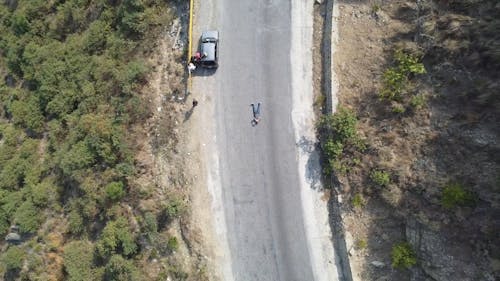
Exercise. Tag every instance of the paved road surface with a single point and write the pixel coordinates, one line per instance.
(258, 165)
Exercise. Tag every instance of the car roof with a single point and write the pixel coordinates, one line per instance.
(209, 49)
(210, 34)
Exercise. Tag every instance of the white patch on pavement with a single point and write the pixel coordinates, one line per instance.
(318, 233)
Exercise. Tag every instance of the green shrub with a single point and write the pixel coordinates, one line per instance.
(358, 201)
(338, 134)
(403, 256)
(4, 222)
(398, 108)
(395, 79)
(28, 114)
(172, 244)
(28, 217)
(361, 244)
(418, 101)
(333, 149)
(380, 178)
(116, 236)
(120, 269)
(78, 260)
(76, 224)
(341, 126)
(13, 258)
(174, 207)
(115, 191)
(150, 223)
(44, 193)
(454, 195)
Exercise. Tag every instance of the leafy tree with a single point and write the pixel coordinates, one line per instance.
(28, 114)
(4, 222)
(76, 223)
(78, 260)
(132, 18)
(120, 269)
(77, 157)
(28, 217)
(116, 236)
(114, 190)
(13, 258)
(19, 23)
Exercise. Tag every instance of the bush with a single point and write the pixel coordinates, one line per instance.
(116, 237)
(395, 79)
(398, 108)
(418, 101)
(403, 256)
(78, 260)
(13, 258)
(150, 223)
(174, 207)
(454, 195)
(358, 201)
(120, 269)
(76, 223)
(338, 134)
(341, 126)
(172, 244)
(361, 244)
(380, 178)
(115, 191)
(28, 217)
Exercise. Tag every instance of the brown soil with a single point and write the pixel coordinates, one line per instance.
(450, 139)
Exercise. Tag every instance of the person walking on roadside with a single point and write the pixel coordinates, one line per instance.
(256, 113)
(195, 103)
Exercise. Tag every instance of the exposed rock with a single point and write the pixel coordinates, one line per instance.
(378, 264)
(13, 238)
(381, 16)
(440, 258)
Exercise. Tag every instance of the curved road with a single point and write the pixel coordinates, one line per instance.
(257, 166)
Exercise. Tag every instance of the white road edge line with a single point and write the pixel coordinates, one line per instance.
(314, 209)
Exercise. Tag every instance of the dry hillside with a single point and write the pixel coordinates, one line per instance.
(415, 144)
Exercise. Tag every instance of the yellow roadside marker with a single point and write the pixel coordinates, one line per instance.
(190, 40)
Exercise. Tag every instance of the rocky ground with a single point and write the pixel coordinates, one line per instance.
(453, 137)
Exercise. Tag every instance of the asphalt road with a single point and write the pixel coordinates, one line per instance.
(258, 165)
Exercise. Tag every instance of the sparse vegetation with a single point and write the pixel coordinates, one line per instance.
(358, 201)
(430, 123)
(455, 195)
(403, 256)
(380, 178)
(361, 244)
(172, 244)
(396, 79)
(338, 137)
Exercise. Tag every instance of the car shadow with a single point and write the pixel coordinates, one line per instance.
(203, 72)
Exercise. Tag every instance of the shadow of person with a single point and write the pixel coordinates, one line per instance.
(188, 114)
